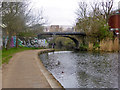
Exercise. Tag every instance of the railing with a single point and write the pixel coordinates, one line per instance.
(63, 33)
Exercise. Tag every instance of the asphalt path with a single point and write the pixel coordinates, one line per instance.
(25, 71)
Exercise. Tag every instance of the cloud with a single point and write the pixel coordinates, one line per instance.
(59, 11)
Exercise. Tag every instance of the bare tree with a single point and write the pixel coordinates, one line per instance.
(82, 10)
(107, 8)
(82, 17)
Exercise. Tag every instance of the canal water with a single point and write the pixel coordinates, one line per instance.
(83, 69)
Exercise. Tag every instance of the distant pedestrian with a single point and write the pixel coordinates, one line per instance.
(53, 45)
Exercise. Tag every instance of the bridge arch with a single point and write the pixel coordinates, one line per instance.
(65, 34)
(73, 39)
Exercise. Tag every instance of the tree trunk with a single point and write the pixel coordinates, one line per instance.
(8, 42)
(16, 42)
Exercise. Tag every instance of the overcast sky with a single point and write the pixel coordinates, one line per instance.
(60, 12)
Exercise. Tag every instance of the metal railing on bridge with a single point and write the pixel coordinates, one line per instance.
(63, 33)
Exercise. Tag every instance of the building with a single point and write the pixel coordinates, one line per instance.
(58, 28)
(54, 28)
(114, 21)
(46, 29)
(67, 28)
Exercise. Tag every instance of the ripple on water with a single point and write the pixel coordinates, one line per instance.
(83, 69)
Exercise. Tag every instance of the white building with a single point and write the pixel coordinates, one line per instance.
(66, 28)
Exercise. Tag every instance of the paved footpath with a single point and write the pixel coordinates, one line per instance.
(23, 71)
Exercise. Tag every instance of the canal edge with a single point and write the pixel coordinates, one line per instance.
(54, 83)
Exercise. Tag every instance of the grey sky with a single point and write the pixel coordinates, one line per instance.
(60, 12)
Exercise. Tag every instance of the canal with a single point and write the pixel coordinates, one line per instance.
(83, 69)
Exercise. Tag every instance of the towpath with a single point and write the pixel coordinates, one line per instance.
(25, 71)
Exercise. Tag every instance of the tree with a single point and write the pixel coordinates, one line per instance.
(81, 24)
(13, 18)
(99, 27)
(107, 8)
(18, 18)
(94, 23)
(82, 10)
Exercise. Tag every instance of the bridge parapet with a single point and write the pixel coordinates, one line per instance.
(63, 33)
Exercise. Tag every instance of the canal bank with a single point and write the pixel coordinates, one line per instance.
(54, 83)
(25, 70)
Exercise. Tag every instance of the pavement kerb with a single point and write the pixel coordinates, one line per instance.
(49, 77)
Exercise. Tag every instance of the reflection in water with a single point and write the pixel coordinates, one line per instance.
(83, 69)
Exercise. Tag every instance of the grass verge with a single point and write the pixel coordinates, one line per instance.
(0, 58)
(7, 54)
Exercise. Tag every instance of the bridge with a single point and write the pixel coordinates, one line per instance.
(62, 33)
(65, 34)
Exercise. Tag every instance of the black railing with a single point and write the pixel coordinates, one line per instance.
(63, 33)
